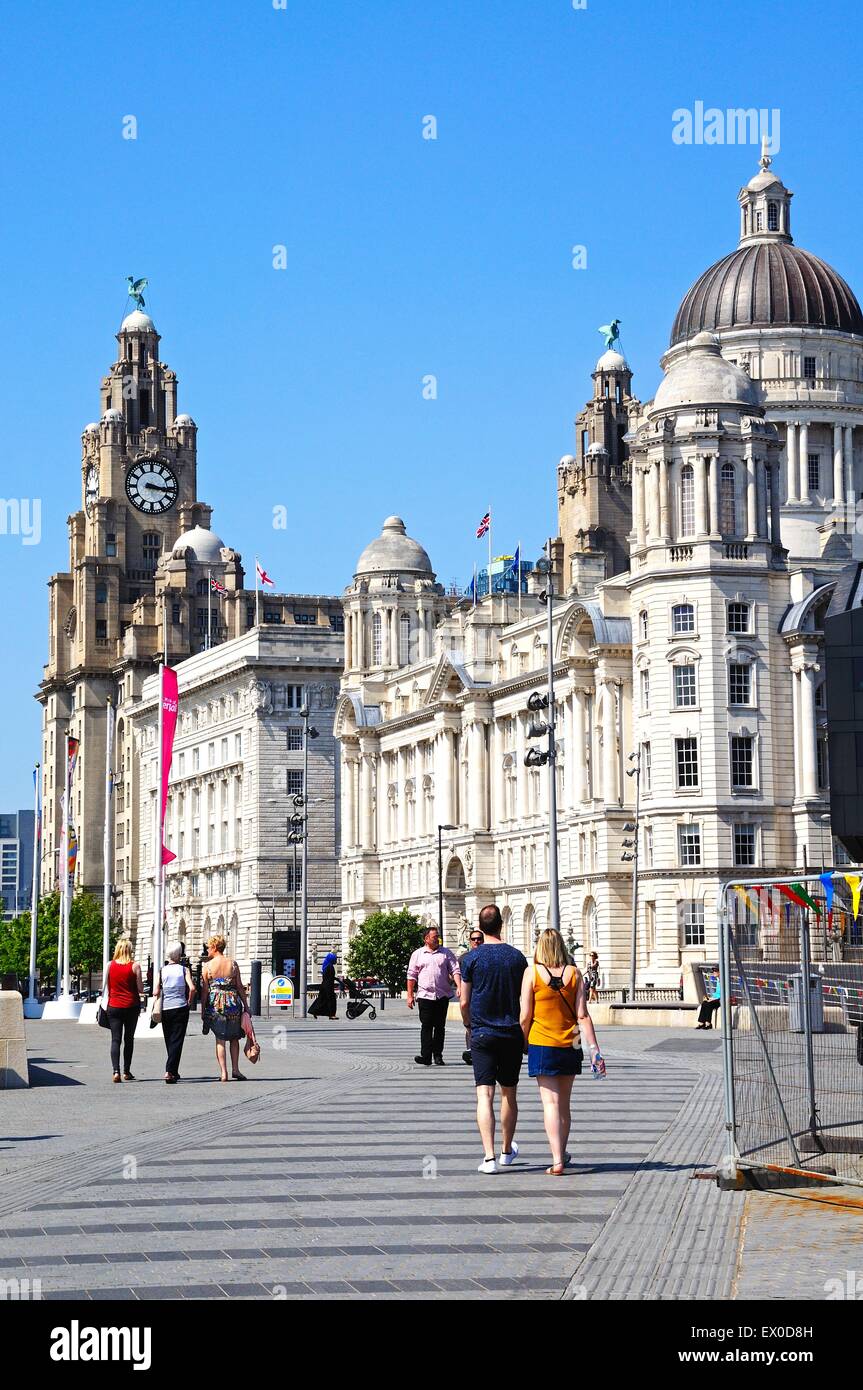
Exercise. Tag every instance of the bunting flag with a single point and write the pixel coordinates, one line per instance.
(753, 906)
(854, 882)
(797, 893)
(826, 881)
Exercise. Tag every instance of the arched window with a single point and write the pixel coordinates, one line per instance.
(404, 640)
(727, 517)
(772, 217)
(376, 640)
(687, 500)
(642, 624)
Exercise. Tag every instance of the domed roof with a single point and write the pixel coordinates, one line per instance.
(92, 428)
(768, 284)
(137, 322)
(394, 552)
(205, 545)
(184, 420)
(113, 416)
(612, 361)
(702, 376)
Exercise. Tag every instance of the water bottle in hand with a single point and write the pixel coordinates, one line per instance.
(597, 1064)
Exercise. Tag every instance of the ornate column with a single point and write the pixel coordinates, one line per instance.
(808, 759)
(803, 460)
(520, 769)
(496, 775)
(775, 504)
(443, 777)
(609, 743)
(714, 495)
(791, 469)
(700, 478)
(655, 503)
(638, 504)
(403, 798)
(664, 532)
(850, 495)
(751, 499)
(576, 757)
(348, 801)
(477, 781)
(795, 729)
(367, 780)
(838, 461)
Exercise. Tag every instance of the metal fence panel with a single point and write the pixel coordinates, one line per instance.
(796, 1056)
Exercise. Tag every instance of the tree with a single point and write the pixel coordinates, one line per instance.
(85, 938)
(15, 946)
(383, 947)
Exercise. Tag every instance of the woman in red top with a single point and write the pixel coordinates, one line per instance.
(125, 989)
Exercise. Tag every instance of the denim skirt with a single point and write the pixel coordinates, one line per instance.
(554, 1061)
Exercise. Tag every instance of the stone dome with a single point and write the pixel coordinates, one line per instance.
(612, 361)
(115, 417)
(702, 376)
(394, 552)
(205, 545)
(184, 420)
(92, 428)
(137, 322)
(768, 284)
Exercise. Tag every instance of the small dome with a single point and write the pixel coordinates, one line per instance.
(394, 552)
(703, 377)
(596, 448)
(137, 322)
(205, 545)
(113, 417)
(184, 420)
(92, 428)
(567, 461)
(612, 361)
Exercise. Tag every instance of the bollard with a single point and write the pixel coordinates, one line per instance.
(255, 990)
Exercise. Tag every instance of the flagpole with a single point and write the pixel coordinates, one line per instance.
(257, 596)
(34, 891)
(489, 549)
(159, 906)
(106, 841)
(519, 581)
(474, 583)
(209, 609)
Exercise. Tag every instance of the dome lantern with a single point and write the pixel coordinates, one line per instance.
(765, 205)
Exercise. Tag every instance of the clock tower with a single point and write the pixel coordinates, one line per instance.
(141, 556)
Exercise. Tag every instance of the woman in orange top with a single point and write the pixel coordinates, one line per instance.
(554, 1016)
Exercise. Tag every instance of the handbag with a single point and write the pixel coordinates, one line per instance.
(156, 1011)
(102, 1007)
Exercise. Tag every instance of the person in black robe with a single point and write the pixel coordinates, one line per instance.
(325, 1004)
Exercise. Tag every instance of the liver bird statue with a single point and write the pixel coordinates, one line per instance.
(610, 331)
(136, 288)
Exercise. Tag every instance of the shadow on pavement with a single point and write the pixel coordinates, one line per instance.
(41, 1076)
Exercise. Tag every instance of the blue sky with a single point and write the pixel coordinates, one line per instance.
(405, 257)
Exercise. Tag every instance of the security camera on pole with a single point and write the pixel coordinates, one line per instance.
(540, 728)
(631, 827)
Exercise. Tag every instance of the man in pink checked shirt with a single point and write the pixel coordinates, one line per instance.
(432, 972)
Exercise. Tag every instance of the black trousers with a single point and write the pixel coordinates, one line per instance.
(174, 1025)
(707, 1010)
(432, 1026)
(123, 1023)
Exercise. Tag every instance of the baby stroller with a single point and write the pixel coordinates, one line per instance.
(358, 1002)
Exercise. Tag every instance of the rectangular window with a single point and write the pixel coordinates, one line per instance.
(823, 770)
(196, 840)
(238, 746)
(650, 927)
(294, 696)
(684, 686)
(738, 617)
(196, 759)
(337, 622)
(111, 544)
(689, 845)
(224, 750)
(295, 740)
(645, 691)
(739, 684)
(682, 618)
(294, 885)
(181, 765)
(744, 846)
(151, 545)
(813, 462)
(250, 615)
(648, 847)
(101, 630)
(211, 755)
(809, 368)
(692, 922)
(645, 767)
(295, 783)
(742, 761)
(175, 612)
(686, 757)
(304, 619)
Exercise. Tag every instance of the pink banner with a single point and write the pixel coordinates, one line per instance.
(170, 705)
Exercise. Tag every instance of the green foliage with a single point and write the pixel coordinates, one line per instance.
(383, 947)
(85, 938)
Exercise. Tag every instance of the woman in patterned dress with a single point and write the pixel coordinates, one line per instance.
(223, 1003)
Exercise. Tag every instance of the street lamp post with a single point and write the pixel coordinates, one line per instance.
(634, 771)
(538, 728)
(308, 733)
(440, 830)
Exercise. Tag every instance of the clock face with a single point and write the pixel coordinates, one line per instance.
(151, 486)
(91, 487)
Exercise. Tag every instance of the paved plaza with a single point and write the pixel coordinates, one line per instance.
(340, 1168)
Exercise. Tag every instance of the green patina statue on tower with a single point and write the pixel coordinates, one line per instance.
(610, 331)
(136, 288)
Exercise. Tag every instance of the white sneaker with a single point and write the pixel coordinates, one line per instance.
(507, 1159)
(488, 1165)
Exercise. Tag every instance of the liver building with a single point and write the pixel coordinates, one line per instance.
(700, 538)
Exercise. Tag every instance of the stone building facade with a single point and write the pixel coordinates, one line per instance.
(701, 536)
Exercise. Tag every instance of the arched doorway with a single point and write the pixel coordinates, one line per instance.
(589, 925)
(528, 929)
(455, 886)
(506, 918)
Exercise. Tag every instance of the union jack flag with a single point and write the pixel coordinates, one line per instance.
(482, 529)
(216, 587)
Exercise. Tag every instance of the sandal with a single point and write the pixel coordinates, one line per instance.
(555, 1171)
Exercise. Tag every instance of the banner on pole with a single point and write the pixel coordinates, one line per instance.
(170, 706)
